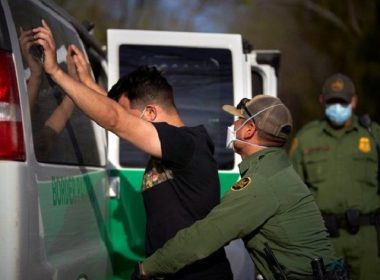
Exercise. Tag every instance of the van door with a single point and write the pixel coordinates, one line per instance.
(263, 66)
(54, 202)
(206, 71)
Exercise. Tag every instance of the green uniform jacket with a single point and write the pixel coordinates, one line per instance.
(270, 204)
(340, 167)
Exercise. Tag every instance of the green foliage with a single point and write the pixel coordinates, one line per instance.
(348, 33)
(89, 10)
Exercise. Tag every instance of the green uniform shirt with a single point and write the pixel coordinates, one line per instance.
(339, 166)
(270, 204)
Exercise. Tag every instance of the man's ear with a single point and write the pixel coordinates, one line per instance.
(249, 130)
(151, 113)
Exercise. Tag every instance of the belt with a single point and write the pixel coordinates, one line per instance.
(351, 221)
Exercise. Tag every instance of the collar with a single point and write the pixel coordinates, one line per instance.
(251, 161)
(354, 126)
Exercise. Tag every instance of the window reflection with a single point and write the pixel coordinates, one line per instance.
(61, 133)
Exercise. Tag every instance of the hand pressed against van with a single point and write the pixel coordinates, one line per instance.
(42, 36)
(118, 117)
(83, 69)
(71, 67)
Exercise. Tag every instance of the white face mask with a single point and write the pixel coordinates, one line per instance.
(231, 138)
(231, 132)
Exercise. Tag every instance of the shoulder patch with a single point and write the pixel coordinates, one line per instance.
(241, 184)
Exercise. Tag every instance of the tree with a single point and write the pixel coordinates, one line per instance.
(348, 32)
(316, 37)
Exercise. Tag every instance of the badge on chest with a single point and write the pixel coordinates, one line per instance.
(364, 145)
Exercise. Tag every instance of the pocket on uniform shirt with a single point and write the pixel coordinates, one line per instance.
(316, 168)
(366, 168)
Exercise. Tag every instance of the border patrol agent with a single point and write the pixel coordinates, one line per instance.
(338, 158)
(270, 207)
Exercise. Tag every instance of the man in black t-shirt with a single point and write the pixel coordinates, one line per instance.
(180, 188)
(181, 182)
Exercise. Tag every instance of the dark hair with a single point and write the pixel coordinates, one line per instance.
(142, 86)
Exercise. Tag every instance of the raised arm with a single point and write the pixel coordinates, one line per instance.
(106, 112)
(62, 113)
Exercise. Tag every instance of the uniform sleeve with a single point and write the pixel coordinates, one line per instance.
(239, 213)
(295, 155)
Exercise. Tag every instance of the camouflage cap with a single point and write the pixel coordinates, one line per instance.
(338, 86)
(269, 114)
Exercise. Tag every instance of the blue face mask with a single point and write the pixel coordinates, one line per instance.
(338, 114)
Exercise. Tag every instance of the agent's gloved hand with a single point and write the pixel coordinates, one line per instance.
(136, 275)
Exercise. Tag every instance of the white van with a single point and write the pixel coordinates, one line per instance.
(70, 203)
(53, 177)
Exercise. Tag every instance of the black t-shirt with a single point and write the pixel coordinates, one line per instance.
(180, 189)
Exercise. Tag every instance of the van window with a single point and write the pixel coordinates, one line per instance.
(202, 83)
(62, 134)
(257, 82)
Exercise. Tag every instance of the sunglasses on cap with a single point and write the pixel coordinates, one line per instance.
(242, 105)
